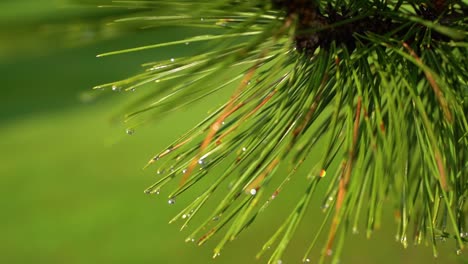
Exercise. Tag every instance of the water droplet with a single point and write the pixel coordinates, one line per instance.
(202, 19)
(216, 254)
(404, 241)
(116, 88)
(249, 82)
(244, 149)
(216, 218)
(130, 131)
(186, 43)
(273, 196)
(202, 162)
(171, 201)
(253, 191)
(307, 260)
(172, 59)
(323, 173)
(355, 230)
(463, 235)
(132, 90)
(279, 261)
(157, 81)
(459, 252)
(184, 171)
(329, 252)
(157, 191)
(184, 216)
(147, 191)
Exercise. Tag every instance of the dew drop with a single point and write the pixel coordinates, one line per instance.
(184, 216)
(172, 59)
(253, 191)
(116, 88)
(397, 237)
(329, 252)
(202, 19)
(463, 235)
(171, 201)
(459, 252)
(184, 171)
(279, 261)
(355, 231)
(157, 191)
(217, 254)
(404, 241)
(216, 218)
(273, 196)
(130, 131)
(244, 149)
(147, 191)
(186, 43)
(202, 162)
(323, 173)
(132, 90)
(307, 260)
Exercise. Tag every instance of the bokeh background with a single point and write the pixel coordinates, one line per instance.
(71, 179)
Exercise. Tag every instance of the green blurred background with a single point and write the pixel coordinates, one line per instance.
(72, 180)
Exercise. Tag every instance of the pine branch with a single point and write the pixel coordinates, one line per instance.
(380, 86)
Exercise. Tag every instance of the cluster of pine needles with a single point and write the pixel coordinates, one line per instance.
(370, 95)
